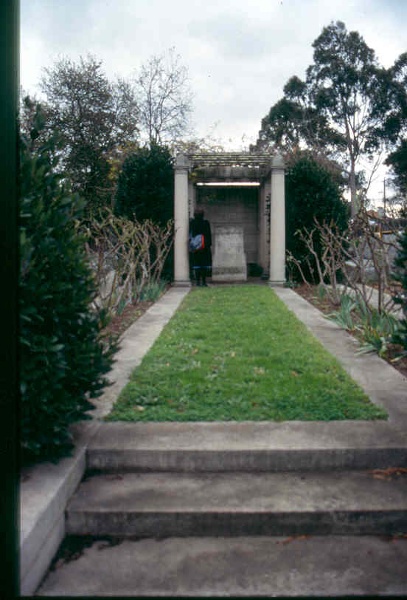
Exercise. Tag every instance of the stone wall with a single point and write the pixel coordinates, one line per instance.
(233, 206)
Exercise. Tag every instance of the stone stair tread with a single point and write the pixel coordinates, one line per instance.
(238, 504)
(246, 446)
(247, 435)
(304, 566)
(147, 492)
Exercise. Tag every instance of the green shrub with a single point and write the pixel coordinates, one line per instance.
(145, 187)
(63, 356)
(312, 193)
(401, 275)
(145, 191)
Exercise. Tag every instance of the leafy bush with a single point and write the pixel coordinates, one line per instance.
(145, 188)
(63, 356)
(312, 194)
(400, 263)
(145, 191)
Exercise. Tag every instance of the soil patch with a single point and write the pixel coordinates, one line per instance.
(130, 314)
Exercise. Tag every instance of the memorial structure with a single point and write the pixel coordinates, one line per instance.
(243, 197)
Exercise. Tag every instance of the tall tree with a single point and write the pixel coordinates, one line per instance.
(313, 191)
(395, 127)
(93, 118)
(145, 188)
(335, 109)
(165, 99)
(344, 80)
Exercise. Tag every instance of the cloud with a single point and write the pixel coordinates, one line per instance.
(239, 53)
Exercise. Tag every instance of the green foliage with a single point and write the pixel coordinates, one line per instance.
(344, 316)
(63, 357)
(145, 187)
(237, 353)
(398, 161)
(94, 118)
(400, 275)
(394, 129)
(152, 291)
(375, 329)
(340, 107)
(311, 194)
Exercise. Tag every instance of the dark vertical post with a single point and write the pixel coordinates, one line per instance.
(9, 92)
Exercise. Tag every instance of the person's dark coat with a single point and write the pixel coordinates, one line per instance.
(201, 258)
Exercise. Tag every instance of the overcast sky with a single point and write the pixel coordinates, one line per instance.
(239, 53)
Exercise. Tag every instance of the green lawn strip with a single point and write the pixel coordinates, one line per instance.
(236, 354)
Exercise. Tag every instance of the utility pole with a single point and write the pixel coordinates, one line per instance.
(384, 198)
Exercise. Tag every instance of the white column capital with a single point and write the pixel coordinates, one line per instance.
(277, 162)
(181, 162)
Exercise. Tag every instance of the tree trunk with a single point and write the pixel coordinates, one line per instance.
(352, 185)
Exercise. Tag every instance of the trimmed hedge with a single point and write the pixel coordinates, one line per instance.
(311, 193)
(400, 274)
(63, 356)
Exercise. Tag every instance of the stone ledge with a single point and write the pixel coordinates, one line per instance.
(44, 494)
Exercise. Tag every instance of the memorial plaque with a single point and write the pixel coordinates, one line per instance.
(229, 258)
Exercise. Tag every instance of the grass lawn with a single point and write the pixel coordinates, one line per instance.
(236, 354)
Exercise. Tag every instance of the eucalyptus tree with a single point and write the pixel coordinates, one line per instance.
(395, 126)
(335, 110)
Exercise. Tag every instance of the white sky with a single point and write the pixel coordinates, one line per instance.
(239, 53)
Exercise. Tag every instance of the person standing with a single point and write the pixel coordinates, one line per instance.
(201, 260)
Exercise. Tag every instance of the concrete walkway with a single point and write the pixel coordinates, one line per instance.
(342, 442)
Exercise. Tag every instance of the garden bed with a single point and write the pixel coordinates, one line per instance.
(323, 303)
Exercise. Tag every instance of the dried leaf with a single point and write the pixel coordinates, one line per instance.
(387, 474)
(293, 538)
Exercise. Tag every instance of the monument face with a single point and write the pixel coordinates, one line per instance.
(229, 258)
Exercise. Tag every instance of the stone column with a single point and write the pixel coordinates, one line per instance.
(181, 222)
(277, 223)
(191, 199)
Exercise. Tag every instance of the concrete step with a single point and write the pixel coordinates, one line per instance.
(238, 567)
(236, 504)
(246, 446)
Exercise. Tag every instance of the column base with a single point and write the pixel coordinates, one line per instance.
(186, 283)
(276, 283)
